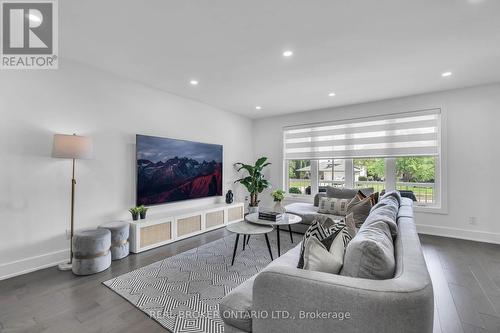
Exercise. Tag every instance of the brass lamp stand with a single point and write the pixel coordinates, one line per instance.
(72, 147)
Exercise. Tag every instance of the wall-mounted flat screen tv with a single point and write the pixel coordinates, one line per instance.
(171, 170)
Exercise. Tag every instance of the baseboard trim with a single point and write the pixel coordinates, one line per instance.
(473, 235)
(31, 264)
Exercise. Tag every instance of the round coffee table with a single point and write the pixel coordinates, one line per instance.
(287, 220)
(246, 229)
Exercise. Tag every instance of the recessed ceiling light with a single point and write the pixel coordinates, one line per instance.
(258, 107)
(193, 82)
(445, 74)
(331, 94)
(287, 53)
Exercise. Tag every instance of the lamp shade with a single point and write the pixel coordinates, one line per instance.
(72, 146)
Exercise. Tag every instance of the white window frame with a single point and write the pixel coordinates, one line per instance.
(440, 207)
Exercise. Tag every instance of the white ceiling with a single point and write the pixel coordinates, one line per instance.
(363, 50)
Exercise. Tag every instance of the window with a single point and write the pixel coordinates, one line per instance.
(369, 172)
(331, 173)
(299, 177)
(418, 175)
(400, 152)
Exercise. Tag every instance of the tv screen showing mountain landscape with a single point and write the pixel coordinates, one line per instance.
(173, 170)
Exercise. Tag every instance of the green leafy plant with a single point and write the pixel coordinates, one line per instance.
(254, 182)
(134, 210)
(141, 209)
(278, 195)
(294, 190)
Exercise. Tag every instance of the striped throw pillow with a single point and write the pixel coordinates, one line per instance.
(318, 231)
(333, 206)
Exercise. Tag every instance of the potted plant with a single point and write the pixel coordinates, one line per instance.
(254, 181)
(142, 211)
(135, 213)
(278, 196)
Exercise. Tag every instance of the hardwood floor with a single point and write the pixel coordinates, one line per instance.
(466, 280)
(465, 274)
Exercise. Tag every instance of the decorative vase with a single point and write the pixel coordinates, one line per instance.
(252, 210)
(135, 217)
(229, 197)
(278, 207)
(143, 215)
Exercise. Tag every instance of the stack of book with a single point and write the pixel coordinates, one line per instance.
(270, 216)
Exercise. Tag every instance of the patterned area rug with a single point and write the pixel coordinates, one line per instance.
(182, 293)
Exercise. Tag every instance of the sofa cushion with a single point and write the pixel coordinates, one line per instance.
(328, 255)
(384, 214)
(360, 209)
(346, 193)
(370, 254)
(406, 208)
(317, 197)
(235, 307)
(373, 197)
(387, 201)
(318, 231)
(307, 212)
(350, 225)
(387, 211)
(394, 194)
(333, 206)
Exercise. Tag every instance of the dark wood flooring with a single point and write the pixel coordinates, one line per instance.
(465, 274)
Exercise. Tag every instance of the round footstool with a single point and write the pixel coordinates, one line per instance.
(91, 251)
(119, 238)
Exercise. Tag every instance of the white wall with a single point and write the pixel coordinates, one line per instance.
(473, 154)
(35, 188)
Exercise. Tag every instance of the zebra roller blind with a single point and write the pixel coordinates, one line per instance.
(405, 134)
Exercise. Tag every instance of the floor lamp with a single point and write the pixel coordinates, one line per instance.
(71, 147)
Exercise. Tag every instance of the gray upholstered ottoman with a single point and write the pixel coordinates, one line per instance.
(91, 251)
(119, 239)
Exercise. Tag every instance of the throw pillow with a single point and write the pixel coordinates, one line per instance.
(333, 206)
(370, 255)
(394, 194)
(386, 214)
(350, 224)
(317, 197)
(373, 197)
(360, 209)
(315, 230)
(346, 193)
(320, 232)
(322, 257)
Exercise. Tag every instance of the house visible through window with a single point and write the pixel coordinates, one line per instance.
(393, 152)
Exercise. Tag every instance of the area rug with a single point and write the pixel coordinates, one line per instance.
(182, 293)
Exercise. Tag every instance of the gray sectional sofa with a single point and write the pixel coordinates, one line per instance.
(315, 302)
(309, 211)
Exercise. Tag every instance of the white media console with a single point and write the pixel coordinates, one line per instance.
(160, 229)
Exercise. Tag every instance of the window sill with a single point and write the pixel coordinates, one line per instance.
(430, 209)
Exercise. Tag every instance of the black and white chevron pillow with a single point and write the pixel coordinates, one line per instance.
(317, 230)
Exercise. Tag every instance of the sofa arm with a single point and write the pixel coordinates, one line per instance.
(288, 299)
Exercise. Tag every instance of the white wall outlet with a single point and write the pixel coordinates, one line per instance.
(473, 220)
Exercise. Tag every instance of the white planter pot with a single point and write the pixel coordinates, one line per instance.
(278, 207)
(252, 210)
